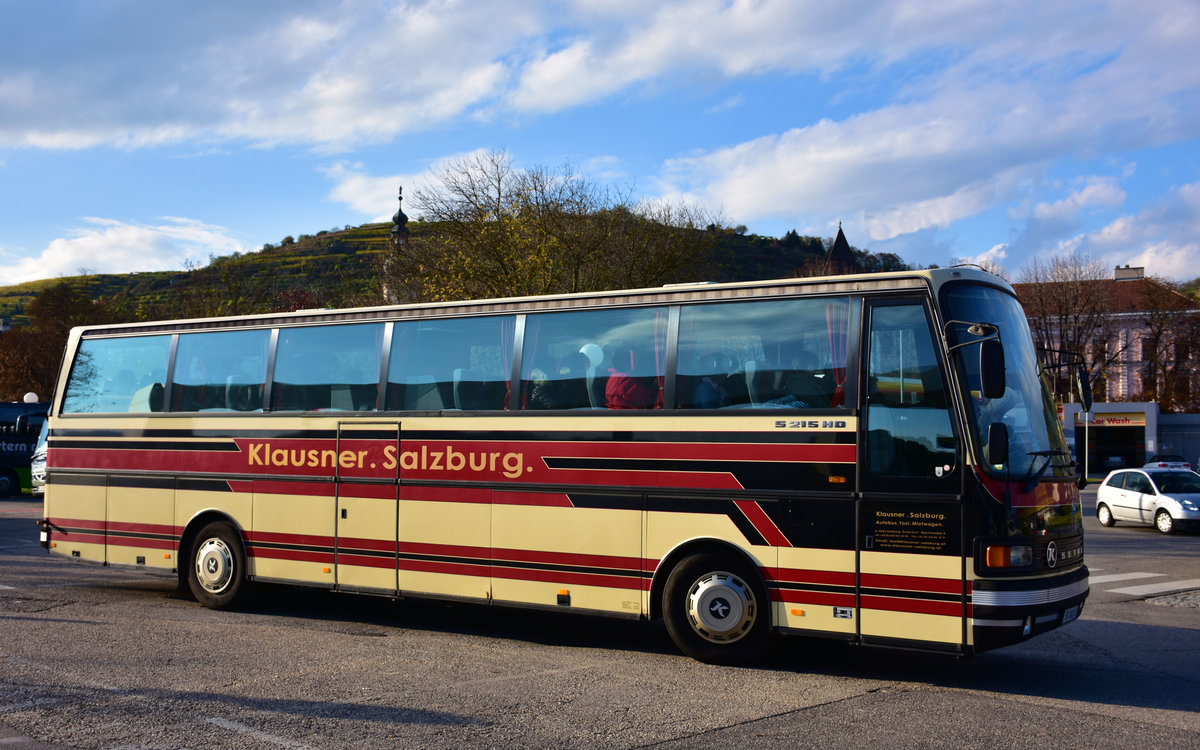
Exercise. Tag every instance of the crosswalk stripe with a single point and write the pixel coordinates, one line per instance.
(1121, 577)
(1158, 588)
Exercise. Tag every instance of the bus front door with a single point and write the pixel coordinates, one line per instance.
(911, 579)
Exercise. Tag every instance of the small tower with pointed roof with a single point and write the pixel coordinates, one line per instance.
(840, 259)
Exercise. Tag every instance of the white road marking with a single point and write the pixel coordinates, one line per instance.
(1158, 588)
(1121, 577)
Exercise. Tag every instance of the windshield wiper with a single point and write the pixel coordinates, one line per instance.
(1037, 475)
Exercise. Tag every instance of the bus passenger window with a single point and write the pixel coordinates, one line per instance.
(327, 368)
(456, 364)
(594, 359)
(122, 375)
(778, 354)
(220, 371)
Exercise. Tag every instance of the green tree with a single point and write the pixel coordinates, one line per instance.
(32, 353)
(488, 229)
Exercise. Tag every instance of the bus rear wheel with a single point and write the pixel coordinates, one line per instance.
(8, 484)
(217, 570)
(716, 609)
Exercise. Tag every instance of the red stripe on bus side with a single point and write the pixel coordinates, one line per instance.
(142, 528)
(915, 606)
(816, 598)
(291, 554)
(822, 577)
(567, 577)
(762, 523)
(78, 523)
(116, 540)
(291, 540)
(913, 583)
(542, 499)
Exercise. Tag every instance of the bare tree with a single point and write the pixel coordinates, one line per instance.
(489, 229)
(1066, 303)
(1169, 363)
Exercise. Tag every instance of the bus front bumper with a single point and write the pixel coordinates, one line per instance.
(1009, 611)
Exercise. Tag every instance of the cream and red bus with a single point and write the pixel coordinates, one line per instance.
(872, 458)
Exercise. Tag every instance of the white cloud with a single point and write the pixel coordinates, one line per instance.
(109, 246)
(376, 197)
(1100, 192)
(1164, 238)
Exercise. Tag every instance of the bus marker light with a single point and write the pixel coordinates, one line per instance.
(1003, 556)
(325, 570)
(837, 480)
(798, 612)
(166, 555)
(564, 596)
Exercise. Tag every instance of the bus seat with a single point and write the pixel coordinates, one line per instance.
(595, 387)
(474, 391)
(758, 382)
(147, 399)
(423, 393)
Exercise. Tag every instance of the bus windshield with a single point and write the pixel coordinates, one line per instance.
(1037, 447)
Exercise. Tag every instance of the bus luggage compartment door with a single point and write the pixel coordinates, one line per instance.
(366, 515)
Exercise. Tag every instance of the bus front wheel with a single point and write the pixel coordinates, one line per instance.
(217, 572)
(716, 610)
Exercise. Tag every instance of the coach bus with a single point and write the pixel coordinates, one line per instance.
(873, 458)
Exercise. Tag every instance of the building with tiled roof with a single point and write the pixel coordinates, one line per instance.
(1144, 343)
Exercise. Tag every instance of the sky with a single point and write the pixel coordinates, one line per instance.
(148, 135)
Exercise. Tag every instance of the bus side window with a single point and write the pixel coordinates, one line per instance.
(777, 354)
(457, 364)
(594, 359)
(118, 375)
(327, 368)
(219, 371)
(909, 426)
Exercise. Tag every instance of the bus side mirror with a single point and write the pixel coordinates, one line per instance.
(991, 368)
(1083, 383)
(997, 446)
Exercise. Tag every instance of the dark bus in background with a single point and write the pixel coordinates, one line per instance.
(20, 423)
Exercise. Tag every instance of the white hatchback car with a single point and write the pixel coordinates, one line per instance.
(1168, 499)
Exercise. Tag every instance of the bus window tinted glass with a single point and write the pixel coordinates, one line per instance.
(781, 354)
(909, 429)
(327, 368)
(118, 375)
(463, 363)
(603, 359)
(220, 371)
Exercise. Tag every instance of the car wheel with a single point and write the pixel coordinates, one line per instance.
(1163, 522)
(217, 573)
(716, 609)
(1105, 515)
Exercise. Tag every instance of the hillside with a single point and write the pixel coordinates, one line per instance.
(340, 268)
(337, 267)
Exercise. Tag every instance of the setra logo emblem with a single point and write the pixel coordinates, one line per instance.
(1051, 555)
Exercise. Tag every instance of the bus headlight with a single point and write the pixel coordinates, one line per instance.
(1008, 556)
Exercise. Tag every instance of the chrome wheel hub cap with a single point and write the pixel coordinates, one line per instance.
(214, 565)
(721, 607)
